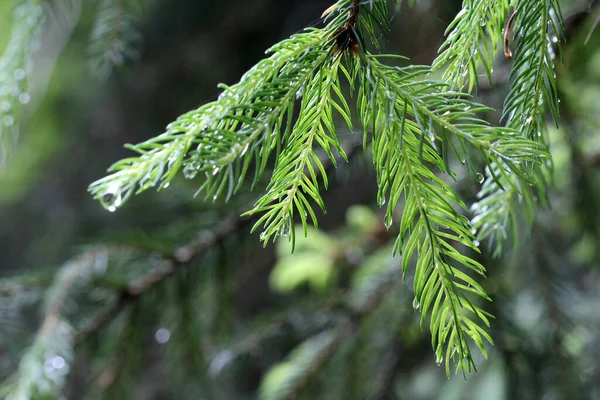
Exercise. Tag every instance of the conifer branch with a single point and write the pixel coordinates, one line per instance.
(290, 187)
(114, 37)
(404, 119)
(284, 380)
(15, 66)
(224, 136)
(43, 369)
(503, 198)
(473, 39)
(409, 117)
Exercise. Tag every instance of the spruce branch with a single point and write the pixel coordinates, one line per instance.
(472, 40)
(220, 140)
(290, 187)
(222, 137)
(415, 123)
(15, 67)
(538, 27)
(403, 117)
(43, 369)
(284, 380)
(114, 37)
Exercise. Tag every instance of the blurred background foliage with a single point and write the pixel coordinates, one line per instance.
(186, 304)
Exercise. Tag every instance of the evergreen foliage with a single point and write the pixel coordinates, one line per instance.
(407, 116)
(282, 120)
(15, 66)
(114, 37)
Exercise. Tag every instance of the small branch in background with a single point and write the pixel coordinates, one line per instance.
(44, 367)
(113, 38)
(573, 21)
(15, 68)
(181, 257)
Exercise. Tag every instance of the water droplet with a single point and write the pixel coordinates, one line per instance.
(285, 229)
(476, 243)
(58, 362)
(162, 336)
(416, 304)
(388, 221)
(480, 178)
(166, 185)
(24, 98)
(216, 171)
(190, 171)
(439, 359)
(263, 235)
(112, 199)
(20, 74)
(8, 120)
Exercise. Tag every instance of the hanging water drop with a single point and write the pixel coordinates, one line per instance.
(416, 304)
(24, 98)
(190, 171)
(439, 359)
(480, 178)
(8, 120)
(20, 74)
(112, 199)
(285, 229)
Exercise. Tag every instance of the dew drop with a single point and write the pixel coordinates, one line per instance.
(20, 74)
(439, 359)
(416, 304)
(476, 243)
(388, 221)
(112, 199)
(480, 178)
(58, 362)
(24, 98)
(162, 336)
(263, 235)
(8, 120)
(190, 171)
(285, 229)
